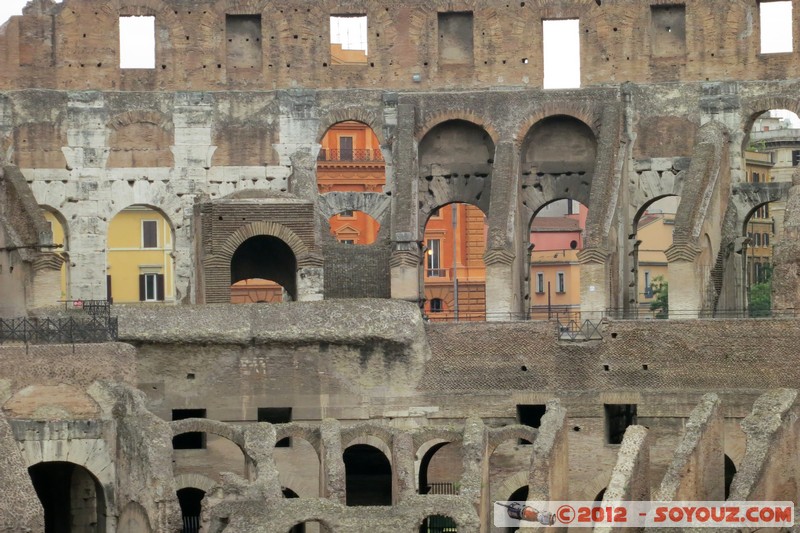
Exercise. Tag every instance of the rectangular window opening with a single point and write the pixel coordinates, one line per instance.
(348, 39)
(562, 55)
(540, 282)
(151, 287)
(668, 30)
(277, 415)
(776, 26)
(243, 42)
(149, 234)
(530, 415)
(434, 259)
(560, 285)
(455, 38)
(618, 418)
(137, 42)
(192, 440)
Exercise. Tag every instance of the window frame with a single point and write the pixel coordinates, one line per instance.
(561, 283)
(144, 245)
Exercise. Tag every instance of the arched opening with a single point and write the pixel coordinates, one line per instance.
(60, 231)
(441, 468)
(191, 502)
(140, 263)
(757, 258)
(438, 524)
(556, 237)
(519, 495)
(730, 471)
(263, 269)
(201, 452)
(454, 274)
(771, 154)
(298, 464)
(71, 496)
(350, 159)
(600, 495)
(368, 476)
(310, 526)
(560, 146)
(652, 237)
(354, 227)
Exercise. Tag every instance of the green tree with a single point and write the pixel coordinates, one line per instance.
(660, 304)
(761, 295)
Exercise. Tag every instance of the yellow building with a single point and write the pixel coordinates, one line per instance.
(761, 225)
(140, 262)
(654, 232)
(60, 238)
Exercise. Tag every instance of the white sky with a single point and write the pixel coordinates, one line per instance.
(776, 18)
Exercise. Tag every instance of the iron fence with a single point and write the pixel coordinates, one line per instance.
(575, 330)
(442, 488)
(347, 155)
(191, 524)
(70, 330)
(439, 524)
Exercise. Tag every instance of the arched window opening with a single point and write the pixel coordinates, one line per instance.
(310, 526)
(454, 273)
(519, 495)
(191, 500)
(556, 237)
(438, 524)
(72, 498)
(263, 270)
(140, 263)
(368, 476)
(757, 255)
(441, 468)
(58, 228)
(350, 160)
(600, 495)
(354, 227)
(730, 471)
(653, 227)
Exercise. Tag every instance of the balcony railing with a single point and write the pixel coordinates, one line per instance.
(353, 155)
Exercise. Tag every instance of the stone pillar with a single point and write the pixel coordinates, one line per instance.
(333, 475)
(475, 479)
(504, 258)
(406, 259)
(403, 467)
(786, 255)
(46, 283)
(594, 283)
(193, 116)
(697, 471)
(261, 469)
(686, 296)
(630, 479)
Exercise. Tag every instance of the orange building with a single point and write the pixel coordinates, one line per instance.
(455, 231)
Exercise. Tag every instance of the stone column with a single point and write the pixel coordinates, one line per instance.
(406, 259)
(46, 283)
(685, 297)
(504, 251)
(403, 467)
(475, 479)
(594, 283)
(332, 462)
(786, 255)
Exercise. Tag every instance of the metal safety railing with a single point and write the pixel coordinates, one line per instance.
(575, 330)
(347, 155)
(70, 330)
(191, 524)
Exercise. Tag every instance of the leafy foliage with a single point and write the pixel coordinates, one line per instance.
(660, 304)
(761, 296)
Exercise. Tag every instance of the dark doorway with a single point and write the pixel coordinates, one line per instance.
(268, 258)
(438, 524)
(191, 501)
(519, 495)
(730, 471)
(72, 498)
(369, 476)
(299, 528)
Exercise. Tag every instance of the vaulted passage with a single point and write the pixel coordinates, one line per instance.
(259, 259)
(71, 496)
(369, 476)
(190, 500)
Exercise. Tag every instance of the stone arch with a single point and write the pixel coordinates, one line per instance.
(580, 111)
(133, 519)
(502, 435)
(424, 459)
(375, 205)
(194, 481)
(140, 139)
(48, 402)
(371, 118)
(57, 483)
(510, 485)
(468, 116)
(158, 209)
(560, 136)
(369, 475)
(382, 440)
(309, 434)
(755, 107)
(91, 454)
(213, 427)
(139, 116)
(272, 229)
